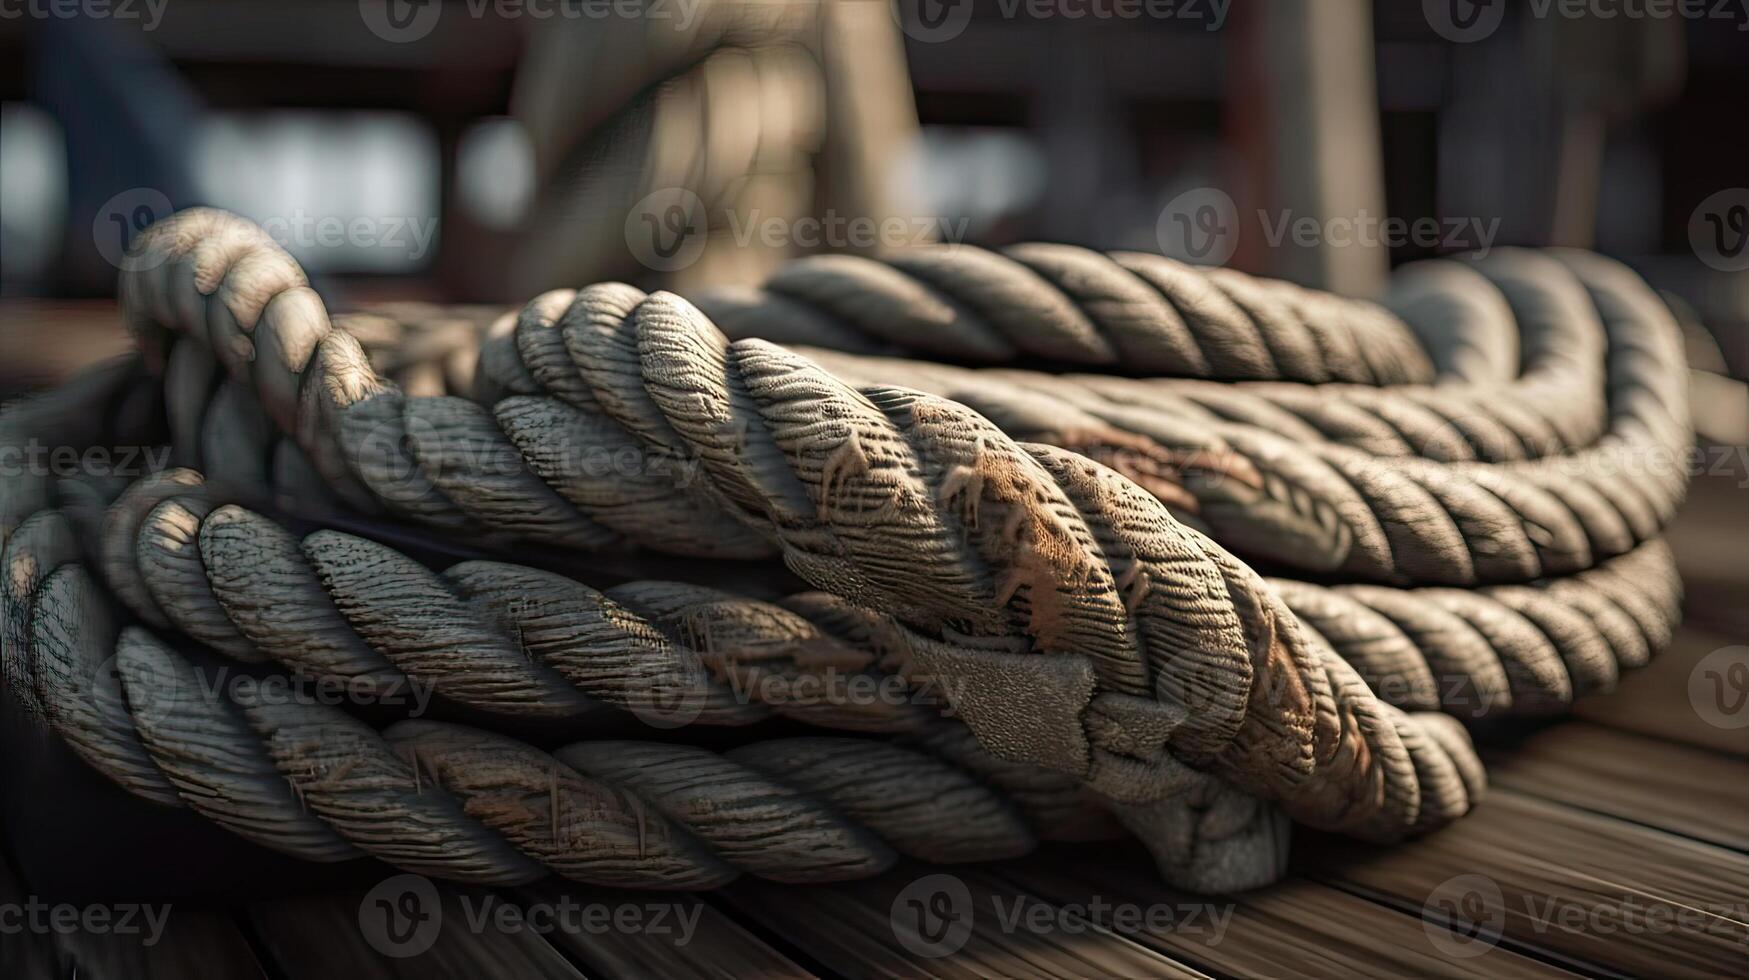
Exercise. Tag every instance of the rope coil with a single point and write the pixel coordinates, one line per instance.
(962, 526)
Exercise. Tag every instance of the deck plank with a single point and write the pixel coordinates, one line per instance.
(25, 953)
(322, 936)
(1296, 927)
(196, 942)
(1590, 890)
(1655, 701)
(691, 938)
(854, 929)
(1694, 792)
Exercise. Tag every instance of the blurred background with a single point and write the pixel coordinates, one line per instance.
(482, 150)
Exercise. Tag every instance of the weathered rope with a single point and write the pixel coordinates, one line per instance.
(463, 803)
(1084, 629)
(1150, 647)
(1459, 658)
(1392, 484)
(1129, 312)
(1563, 344)
(1329, 489)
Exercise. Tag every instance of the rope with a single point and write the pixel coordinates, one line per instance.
(1338, 478)
(1150, 647)
(463, 803)
(1076, 625)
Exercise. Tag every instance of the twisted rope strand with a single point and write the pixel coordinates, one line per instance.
(240, 578)
(1260, 477)
(462, 803)
(1052, 582)
(1135, 313)
(833, 477)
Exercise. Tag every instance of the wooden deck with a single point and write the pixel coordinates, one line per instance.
(1614, 843)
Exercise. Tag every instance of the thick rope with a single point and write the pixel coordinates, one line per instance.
(1076, 624)
(1129, 312)
(1388, 484)
(466, 804)
(1546, 537)
(1335, 497)
(1144, 645)
(1466, 652)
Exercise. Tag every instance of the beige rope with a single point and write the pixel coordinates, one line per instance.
(463, 803)
(1075, 624)
(1155, 643)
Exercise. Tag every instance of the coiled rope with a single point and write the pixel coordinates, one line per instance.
(1085, 630)
(464, 803)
